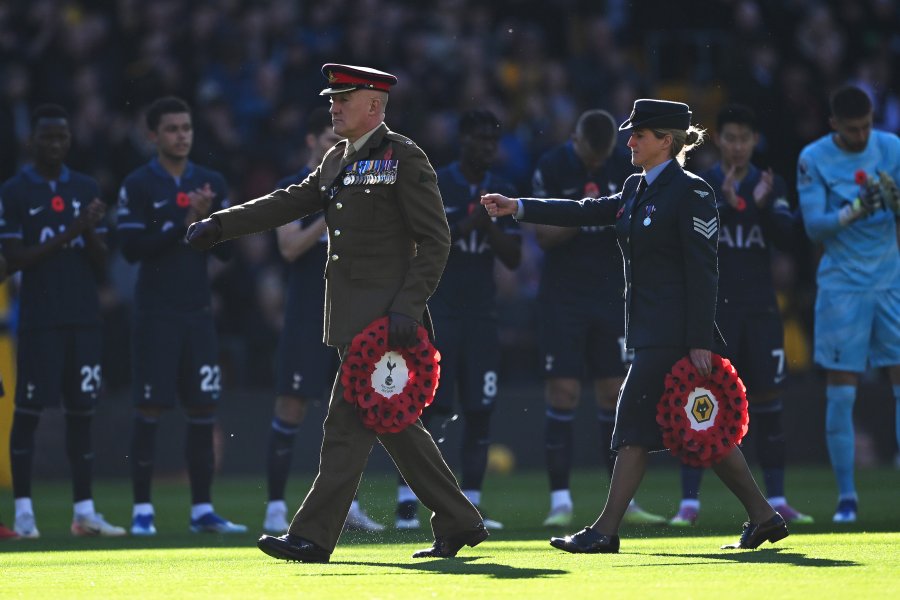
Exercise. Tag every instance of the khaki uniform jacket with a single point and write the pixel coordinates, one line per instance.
(388, 238)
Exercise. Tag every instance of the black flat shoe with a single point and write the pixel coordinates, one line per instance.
(756, 533)
(448, 546)
(293, 547)
(587, 541)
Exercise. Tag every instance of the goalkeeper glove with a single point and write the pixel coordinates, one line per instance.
(868, 201)
(890, 193)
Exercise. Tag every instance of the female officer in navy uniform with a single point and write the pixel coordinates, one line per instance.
(666, 223)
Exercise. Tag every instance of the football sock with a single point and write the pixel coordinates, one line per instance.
(558, 440)
(404, 493)
(142, 508)
(768, 433)
(606, 419)
(24, 506)
(200, 457)
(896, 390)
(280, 453)
(84, 508)
(21, 450)
(560, 498)
(839, 435)
(690, 482)
(474, 496)
(689, 503)
(80, 452)
(198, 509)
(474, 449)
(143, 450)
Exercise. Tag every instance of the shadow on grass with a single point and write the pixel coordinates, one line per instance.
(470, 565)
(765, 556)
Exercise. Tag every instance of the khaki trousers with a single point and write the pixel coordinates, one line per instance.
(346, 446)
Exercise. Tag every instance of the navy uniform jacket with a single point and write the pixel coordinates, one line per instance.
(388, 237)
(670, 264)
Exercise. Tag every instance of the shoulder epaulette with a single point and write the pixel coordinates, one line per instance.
(396, 137)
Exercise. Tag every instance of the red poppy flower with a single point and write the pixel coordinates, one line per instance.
(703, 418)
(368, 356)
(183, 200)
(58, 204)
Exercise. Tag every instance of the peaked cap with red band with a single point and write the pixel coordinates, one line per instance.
(346, 78)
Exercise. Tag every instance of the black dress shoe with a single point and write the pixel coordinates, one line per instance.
(293, 547)
(756, 533)
(446, 547)
(587, 541)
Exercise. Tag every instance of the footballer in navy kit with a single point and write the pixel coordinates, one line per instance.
(755, 216)
(463, 307)
(51, 229)
(174, 343)
(305, 366)
(581, 308)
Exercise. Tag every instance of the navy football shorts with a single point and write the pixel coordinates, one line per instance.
(304, 366)
(755, 345)
(175, 356)
(59, 364)
(470, 357)
(578, 341)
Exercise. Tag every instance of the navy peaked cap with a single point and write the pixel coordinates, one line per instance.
(658, 114)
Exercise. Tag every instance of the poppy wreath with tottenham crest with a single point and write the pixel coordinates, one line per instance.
(386, 404)
(702, 418)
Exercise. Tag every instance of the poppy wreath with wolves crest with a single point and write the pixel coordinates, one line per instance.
(703, 418)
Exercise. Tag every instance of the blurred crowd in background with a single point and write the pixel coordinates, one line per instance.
(251, 71)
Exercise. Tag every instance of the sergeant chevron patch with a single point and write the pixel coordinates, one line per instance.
(706, 228)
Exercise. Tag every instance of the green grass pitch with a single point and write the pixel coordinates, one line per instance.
(816, 562)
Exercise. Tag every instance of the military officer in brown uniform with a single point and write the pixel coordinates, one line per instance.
(388, 241)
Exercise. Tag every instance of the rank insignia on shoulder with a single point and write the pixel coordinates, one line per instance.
(706, 228)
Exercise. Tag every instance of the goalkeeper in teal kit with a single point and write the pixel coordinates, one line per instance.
(850, 204)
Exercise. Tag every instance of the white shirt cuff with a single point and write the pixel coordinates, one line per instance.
(520, 211)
